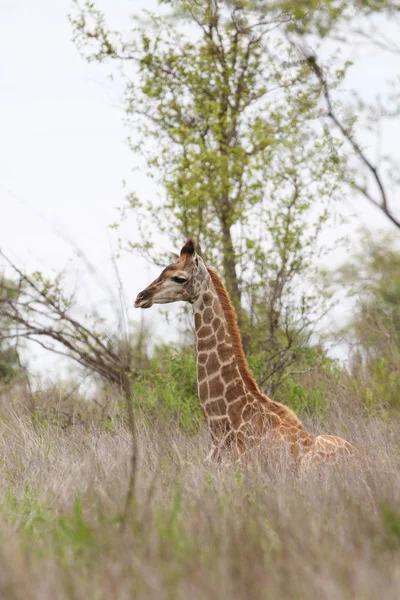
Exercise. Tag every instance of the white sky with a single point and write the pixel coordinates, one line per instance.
(62, 143)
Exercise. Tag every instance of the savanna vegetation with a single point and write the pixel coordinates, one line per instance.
(191, 529)
(239, 112)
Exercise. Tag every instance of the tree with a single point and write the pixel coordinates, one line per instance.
(373, 275)
(373, 332)
(321, 30)
(226, 117)
(36, 308)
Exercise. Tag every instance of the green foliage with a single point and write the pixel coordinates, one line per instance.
(32, 514)
(174, 542)
(9, 358)
(391, 523)
(379, 384)
(73, 534)
(9, 364)
(303, 400)
(219, 533)
(68, 535)
(169, 387)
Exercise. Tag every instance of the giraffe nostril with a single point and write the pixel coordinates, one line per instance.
(142, 300)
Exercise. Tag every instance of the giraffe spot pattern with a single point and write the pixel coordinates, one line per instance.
(201, 372)
(216, 387)
(235, 413)
(229, 372)
(213, 364)
(225, 352)
(220, 334)
(206, 344)
(203, 390)
(208, 316)
(220, 427)
(217, 322)
(247, 412)
(202, 358)
(204, 331)
(207, 298)
(216, 408)
(197, 320)
(234, 391)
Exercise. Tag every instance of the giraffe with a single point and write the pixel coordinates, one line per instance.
(239, 416)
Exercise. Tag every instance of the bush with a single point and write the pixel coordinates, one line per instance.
(169, 387)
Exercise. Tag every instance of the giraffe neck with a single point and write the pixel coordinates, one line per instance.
(226, 387)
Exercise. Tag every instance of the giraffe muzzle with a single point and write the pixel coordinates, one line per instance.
(142, 301)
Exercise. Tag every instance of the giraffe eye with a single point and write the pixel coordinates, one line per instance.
(179, 279)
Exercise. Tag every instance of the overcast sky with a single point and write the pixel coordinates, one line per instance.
(63, 155)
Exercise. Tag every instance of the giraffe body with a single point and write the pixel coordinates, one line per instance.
(238, 415)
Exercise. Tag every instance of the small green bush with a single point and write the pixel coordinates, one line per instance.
(169, 387)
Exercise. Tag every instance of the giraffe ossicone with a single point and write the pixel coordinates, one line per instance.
(239, 416)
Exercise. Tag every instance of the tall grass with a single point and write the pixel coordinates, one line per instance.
(195, 530)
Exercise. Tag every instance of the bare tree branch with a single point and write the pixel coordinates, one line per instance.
(382, 203)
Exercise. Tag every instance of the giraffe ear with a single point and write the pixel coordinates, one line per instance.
(189, 247)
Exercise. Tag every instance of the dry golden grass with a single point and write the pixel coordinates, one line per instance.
(195, 531)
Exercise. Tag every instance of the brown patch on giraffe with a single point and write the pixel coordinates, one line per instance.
(203, 390)
(204, 331)
(229, 372)
(201, 373)
(207, 344)
(216, 408)
(221, 334)
(217, 322)
(216, 387)
(213, 364)
(225, 352)
(235, 414)
(197, 320)
(207, 298)
(234, 391)
(202, 358)
(282, 411)
(208, 316)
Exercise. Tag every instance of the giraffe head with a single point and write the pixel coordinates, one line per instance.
(179, 281)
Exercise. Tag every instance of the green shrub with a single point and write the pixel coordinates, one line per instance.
(169, 387)
(303, 400)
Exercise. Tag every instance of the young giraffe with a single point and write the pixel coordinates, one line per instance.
(238, 415)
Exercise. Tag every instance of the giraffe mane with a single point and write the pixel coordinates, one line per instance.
(284, 412)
